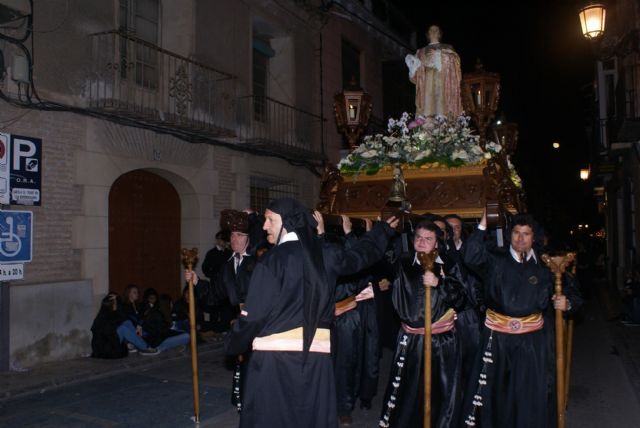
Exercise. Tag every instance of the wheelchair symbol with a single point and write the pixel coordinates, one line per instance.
(10, 243)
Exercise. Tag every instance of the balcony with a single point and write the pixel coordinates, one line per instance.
(150, 86)
(137, 80)
(276, 128)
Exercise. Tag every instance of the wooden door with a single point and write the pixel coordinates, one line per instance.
(144, 234)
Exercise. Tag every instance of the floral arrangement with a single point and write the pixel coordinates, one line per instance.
(513, 174)
(437, 140)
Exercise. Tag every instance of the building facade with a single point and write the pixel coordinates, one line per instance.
(615, 149)
(155, 115)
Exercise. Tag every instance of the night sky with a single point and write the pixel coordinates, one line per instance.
(547, 70)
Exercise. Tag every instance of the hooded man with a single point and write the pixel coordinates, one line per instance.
(286, 319)
(511, 382)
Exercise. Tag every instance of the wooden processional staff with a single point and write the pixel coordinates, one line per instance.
(558, 265)
(189, 258)
(426, 261)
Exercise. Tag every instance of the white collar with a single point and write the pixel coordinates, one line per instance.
(416, 261)
(458, 244)
(516, 256)
(244, 254)
(291, 236)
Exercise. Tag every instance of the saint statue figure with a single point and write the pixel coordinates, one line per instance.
(435, 70)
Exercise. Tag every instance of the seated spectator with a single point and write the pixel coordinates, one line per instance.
(149, 300)
(112, 332)
(157, 330)
(180, 312)
(165, 306)
(131, 306)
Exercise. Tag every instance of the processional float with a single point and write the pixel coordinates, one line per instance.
(390, 174)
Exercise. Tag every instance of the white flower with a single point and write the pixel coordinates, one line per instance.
(487, 155)
(460, 154)
(390, 140)
(369, 154)
(423, 154)
(394, 155)
(345, 162)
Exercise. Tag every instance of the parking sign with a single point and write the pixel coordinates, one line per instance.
(26, 170)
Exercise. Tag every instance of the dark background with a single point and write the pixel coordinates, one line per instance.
(547, 71)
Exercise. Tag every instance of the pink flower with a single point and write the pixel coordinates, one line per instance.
(418, 122)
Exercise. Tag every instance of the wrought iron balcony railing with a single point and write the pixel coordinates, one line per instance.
(137, 79)
(272, 126)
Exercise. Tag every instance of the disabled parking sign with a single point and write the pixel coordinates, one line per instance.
(16, 237)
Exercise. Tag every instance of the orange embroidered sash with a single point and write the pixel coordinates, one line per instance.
(444, 324)
(513, 325)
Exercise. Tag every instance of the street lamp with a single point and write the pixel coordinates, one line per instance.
(352, 108)
(480, 94)
(584, 174)
(592, 20)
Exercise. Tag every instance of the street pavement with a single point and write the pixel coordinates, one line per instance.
(156, 391)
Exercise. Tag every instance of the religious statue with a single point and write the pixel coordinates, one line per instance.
(435, 70)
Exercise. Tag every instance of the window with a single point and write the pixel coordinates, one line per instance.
(140, 18)
(350, 64)
(262, 52)
(265, 189)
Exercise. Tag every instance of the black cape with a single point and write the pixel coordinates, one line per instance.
(403, 405)
(510, 385)
(282, 388)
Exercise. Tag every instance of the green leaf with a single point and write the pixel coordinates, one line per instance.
(372, 169)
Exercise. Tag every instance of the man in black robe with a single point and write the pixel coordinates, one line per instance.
(212, 300)
(217, 256)
(467, 320)
(403, 405)
(235, 273)
(285, 320)
(510, 384)
(234, 278)
(355, 345)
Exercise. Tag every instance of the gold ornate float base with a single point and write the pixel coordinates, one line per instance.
(435, 189)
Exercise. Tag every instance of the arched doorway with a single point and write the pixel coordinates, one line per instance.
(144, 234)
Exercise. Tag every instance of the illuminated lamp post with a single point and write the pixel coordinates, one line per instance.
(480, 95)
(592, 20)
(352, 108)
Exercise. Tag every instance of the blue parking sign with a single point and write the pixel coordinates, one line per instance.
(16, 237)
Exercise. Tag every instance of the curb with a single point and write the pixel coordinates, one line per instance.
(73, 378)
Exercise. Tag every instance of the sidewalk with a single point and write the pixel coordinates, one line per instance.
(48, 376)
(605, 376)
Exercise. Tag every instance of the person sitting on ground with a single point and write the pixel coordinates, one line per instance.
(157, 329)
(112, 331)
(165, 306)
(180, 312)
(131, 306)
